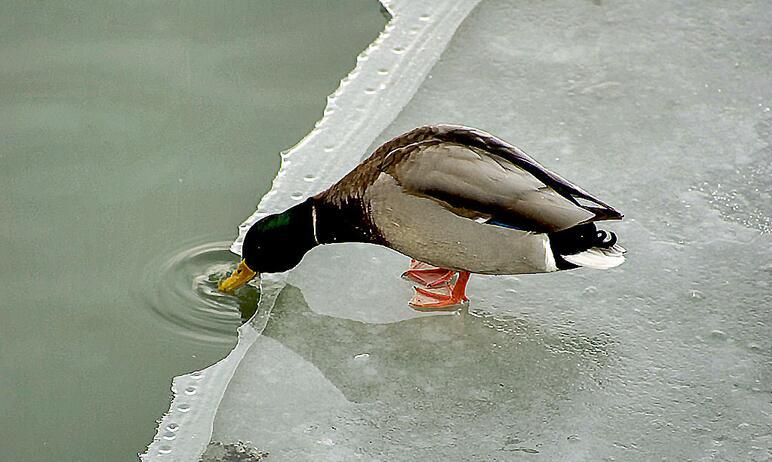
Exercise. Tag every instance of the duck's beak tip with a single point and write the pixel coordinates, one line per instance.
(238, 278)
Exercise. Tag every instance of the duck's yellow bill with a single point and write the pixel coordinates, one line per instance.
(238, 278)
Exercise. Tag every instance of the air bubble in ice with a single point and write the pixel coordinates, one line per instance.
(718, 334)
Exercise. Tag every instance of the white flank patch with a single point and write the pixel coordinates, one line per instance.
(549, 257)
(598, 258)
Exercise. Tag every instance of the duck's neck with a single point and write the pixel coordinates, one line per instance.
(278, 242)
(344, 222)
(297, 223)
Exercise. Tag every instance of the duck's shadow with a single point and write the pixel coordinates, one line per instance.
(471, 355)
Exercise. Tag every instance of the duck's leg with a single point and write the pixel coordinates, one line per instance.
(427, 275)
(445, 297)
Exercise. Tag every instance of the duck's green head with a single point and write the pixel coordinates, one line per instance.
(274, 244)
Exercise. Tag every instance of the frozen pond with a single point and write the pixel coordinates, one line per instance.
(661, 109)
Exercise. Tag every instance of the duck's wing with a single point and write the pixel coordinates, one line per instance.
(479, 176)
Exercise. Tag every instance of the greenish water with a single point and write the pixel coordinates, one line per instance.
(135, 138)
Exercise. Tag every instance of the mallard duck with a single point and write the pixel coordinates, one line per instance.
(457, 200)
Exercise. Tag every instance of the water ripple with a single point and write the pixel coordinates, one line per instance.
(181, 292)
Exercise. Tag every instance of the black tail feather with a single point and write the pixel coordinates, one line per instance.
(578, 239)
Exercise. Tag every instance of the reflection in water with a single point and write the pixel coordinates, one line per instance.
(182, 291)
(417, 384)
(471, 352)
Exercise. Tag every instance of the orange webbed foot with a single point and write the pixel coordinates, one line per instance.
(443, 298)
(427, 275)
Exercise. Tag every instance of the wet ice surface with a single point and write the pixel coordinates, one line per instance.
(661, 110)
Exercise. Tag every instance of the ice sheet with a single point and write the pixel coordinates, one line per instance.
(662, 110)
(386, 76)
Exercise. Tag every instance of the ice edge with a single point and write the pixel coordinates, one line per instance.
(368, 99)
